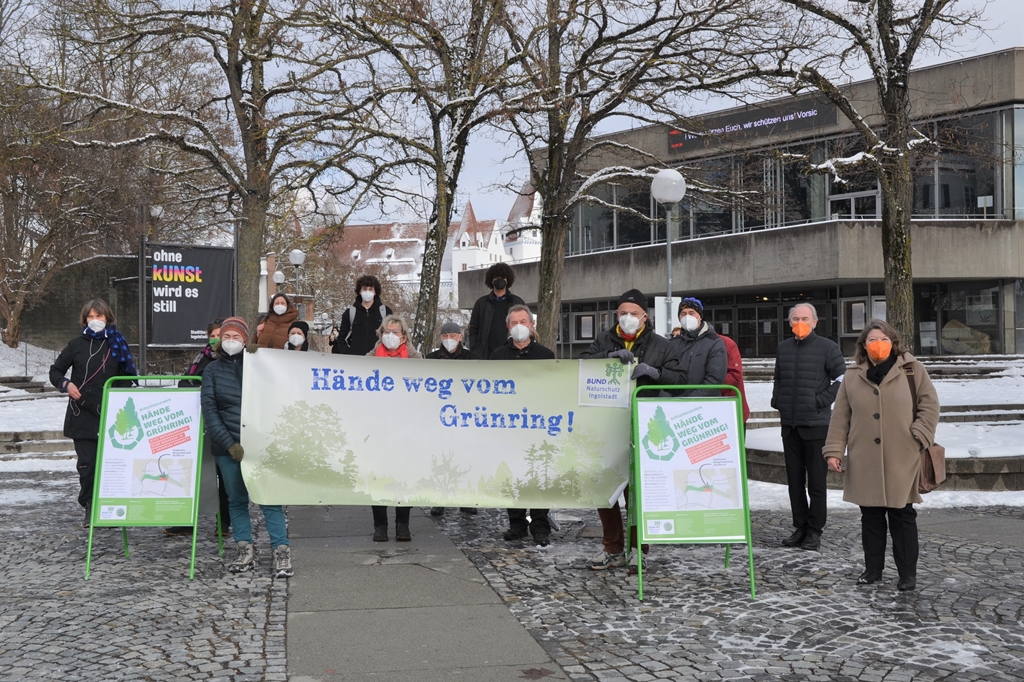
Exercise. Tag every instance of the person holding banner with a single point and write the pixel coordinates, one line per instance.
(358, 332)
(631, 339)
(221, 399)
(275, 330)
(393, 342)
(808, 371)
(452, 349)
(297, 336)
(701, 353)
(198, 366)
(876, 425)
(523, 344)
(95, 355)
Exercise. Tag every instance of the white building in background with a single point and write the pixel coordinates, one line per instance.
(521, 231)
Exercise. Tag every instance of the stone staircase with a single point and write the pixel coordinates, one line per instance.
(947, 414)
(16, 445)
(939, 366)
(27, 384)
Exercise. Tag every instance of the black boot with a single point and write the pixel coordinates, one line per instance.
(796, 538)
(402, 533)
(812, 541)
(869, 577)
(380, 533)
(907, 583)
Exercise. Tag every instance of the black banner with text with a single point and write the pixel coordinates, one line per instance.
(191, 285)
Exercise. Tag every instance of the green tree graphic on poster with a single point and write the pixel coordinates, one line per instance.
(126, 431)
(658, 428)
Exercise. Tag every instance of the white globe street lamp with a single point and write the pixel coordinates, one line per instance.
(668, 188)
(297, 258)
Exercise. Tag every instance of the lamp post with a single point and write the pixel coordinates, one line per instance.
(278, 279)
(297, 258)
(668, 188)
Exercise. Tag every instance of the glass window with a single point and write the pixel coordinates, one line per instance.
(596, 228)
(634, 226)
(968, 153)
(970, 318)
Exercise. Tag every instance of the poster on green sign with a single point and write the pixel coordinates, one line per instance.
(150, 441)
(691, 473)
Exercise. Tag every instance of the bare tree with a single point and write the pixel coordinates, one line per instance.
(588, 63)
(886, 36)
(437, 67)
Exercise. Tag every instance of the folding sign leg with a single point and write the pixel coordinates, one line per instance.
(124, 539)
(727, 548)
(192, 560)
(220, 535)
(88, 552)
(750, 560)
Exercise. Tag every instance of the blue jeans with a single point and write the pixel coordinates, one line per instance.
(238, 506)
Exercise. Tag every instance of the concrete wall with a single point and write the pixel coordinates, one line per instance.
(820, 254)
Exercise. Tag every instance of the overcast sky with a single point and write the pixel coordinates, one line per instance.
(487, 166)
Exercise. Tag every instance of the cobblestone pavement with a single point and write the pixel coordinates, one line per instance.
(137, 618)
(810, 620)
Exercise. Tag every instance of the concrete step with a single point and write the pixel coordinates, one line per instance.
(16, 456)
(36, 446)
(18, 436)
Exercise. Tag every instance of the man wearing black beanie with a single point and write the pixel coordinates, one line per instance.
(631, 339)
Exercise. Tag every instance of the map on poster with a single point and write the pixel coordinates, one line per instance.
(149, 450)
(689, 459)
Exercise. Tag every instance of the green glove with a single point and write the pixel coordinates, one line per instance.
(252, 348)
(236, 452)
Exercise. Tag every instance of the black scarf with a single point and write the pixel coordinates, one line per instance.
(876, 373)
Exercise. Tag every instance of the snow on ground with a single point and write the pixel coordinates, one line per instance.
(12, 361)
(977, 439)
(44, 414)
(26, 465)
(1002, 390)
(775, 496)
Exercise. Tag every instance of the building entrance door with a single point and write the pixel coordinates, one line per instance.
(758, 330)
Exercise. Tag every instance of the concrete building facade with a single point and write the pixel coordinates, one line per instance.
(785, 235)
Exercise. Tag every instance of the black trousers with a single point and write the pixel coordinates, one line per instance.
(222, 494)
(902, 528)
(805, 474)
(86, 465)
(538, 522)
(380, 515)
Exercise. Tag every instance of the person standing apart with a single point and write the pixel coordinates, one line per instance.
(886, 413)
(393, 342)
(523, 345)
(487, 324)
(221, 399)
(631, 339)
(808, 371)
(95, 355)
(357, 334)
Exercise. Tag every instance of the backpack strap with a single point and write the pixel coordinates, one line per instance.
(351, 321)
(383, 310)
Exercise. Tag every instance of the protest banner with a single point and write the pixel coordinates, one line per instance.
(689, 471)
(148, 459)
(336, 429)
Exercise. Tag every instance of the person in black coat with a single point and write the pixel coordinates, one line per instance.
(451, 345)
(808, 371)
(487, 329)
(98, 353)
(702, 355)
(630, 339)
(523, 345)
(357, 334)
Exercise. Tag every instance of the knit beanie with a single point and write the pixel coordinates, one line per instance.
(692, 304)
(634, 296)
(301, 325)
(237, 324)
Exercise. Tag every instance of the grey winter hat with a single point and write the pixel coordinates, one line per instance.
(451, 328)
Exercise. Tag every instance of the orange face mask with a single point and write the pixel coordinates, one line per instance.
(801, 329)
(879, 350)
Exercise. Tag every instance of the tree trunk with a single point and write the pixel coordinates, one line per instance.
(251, 240)
(897, 203)
(12, 331)
(554, 229)
(430, 275)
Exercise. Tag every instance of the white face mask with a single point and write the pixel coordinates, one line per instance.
(97, 325)
(629, 324)
(280, 309)
(296, 340)
(519, 333)
(450, 345)
(390, 340)
(689, 323)
(367, 294)
(232, 346)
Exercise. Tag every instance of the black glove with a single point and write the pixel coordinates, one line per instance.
(622, 354)
(645, 370)
(236, 452)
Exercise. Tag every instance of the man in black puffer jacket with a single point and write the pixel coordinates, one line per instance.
(701, 353)
(808, 369)
(630, 339)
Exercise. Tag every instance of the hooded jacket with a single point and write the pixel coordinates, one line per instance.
(647, 347)
(875, 426)
(221, 400)
(275, 329)
(363, 329)
(702, 358)
(807, 378)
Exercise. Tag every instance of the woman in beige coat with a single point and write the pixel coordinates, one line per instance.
(873, 422)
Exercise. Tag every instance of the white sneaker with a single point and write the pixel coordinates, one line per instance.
(604, 561)
(246, 559)
(631, 566)
(283, 562)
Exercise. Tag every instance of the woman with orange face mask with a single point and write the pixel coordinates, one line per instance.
(874, 424)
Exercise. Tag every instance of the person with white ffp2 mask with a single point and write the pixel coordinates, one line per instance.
(357, 330)
(298, 336)
(701, 353)
(275, 330)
